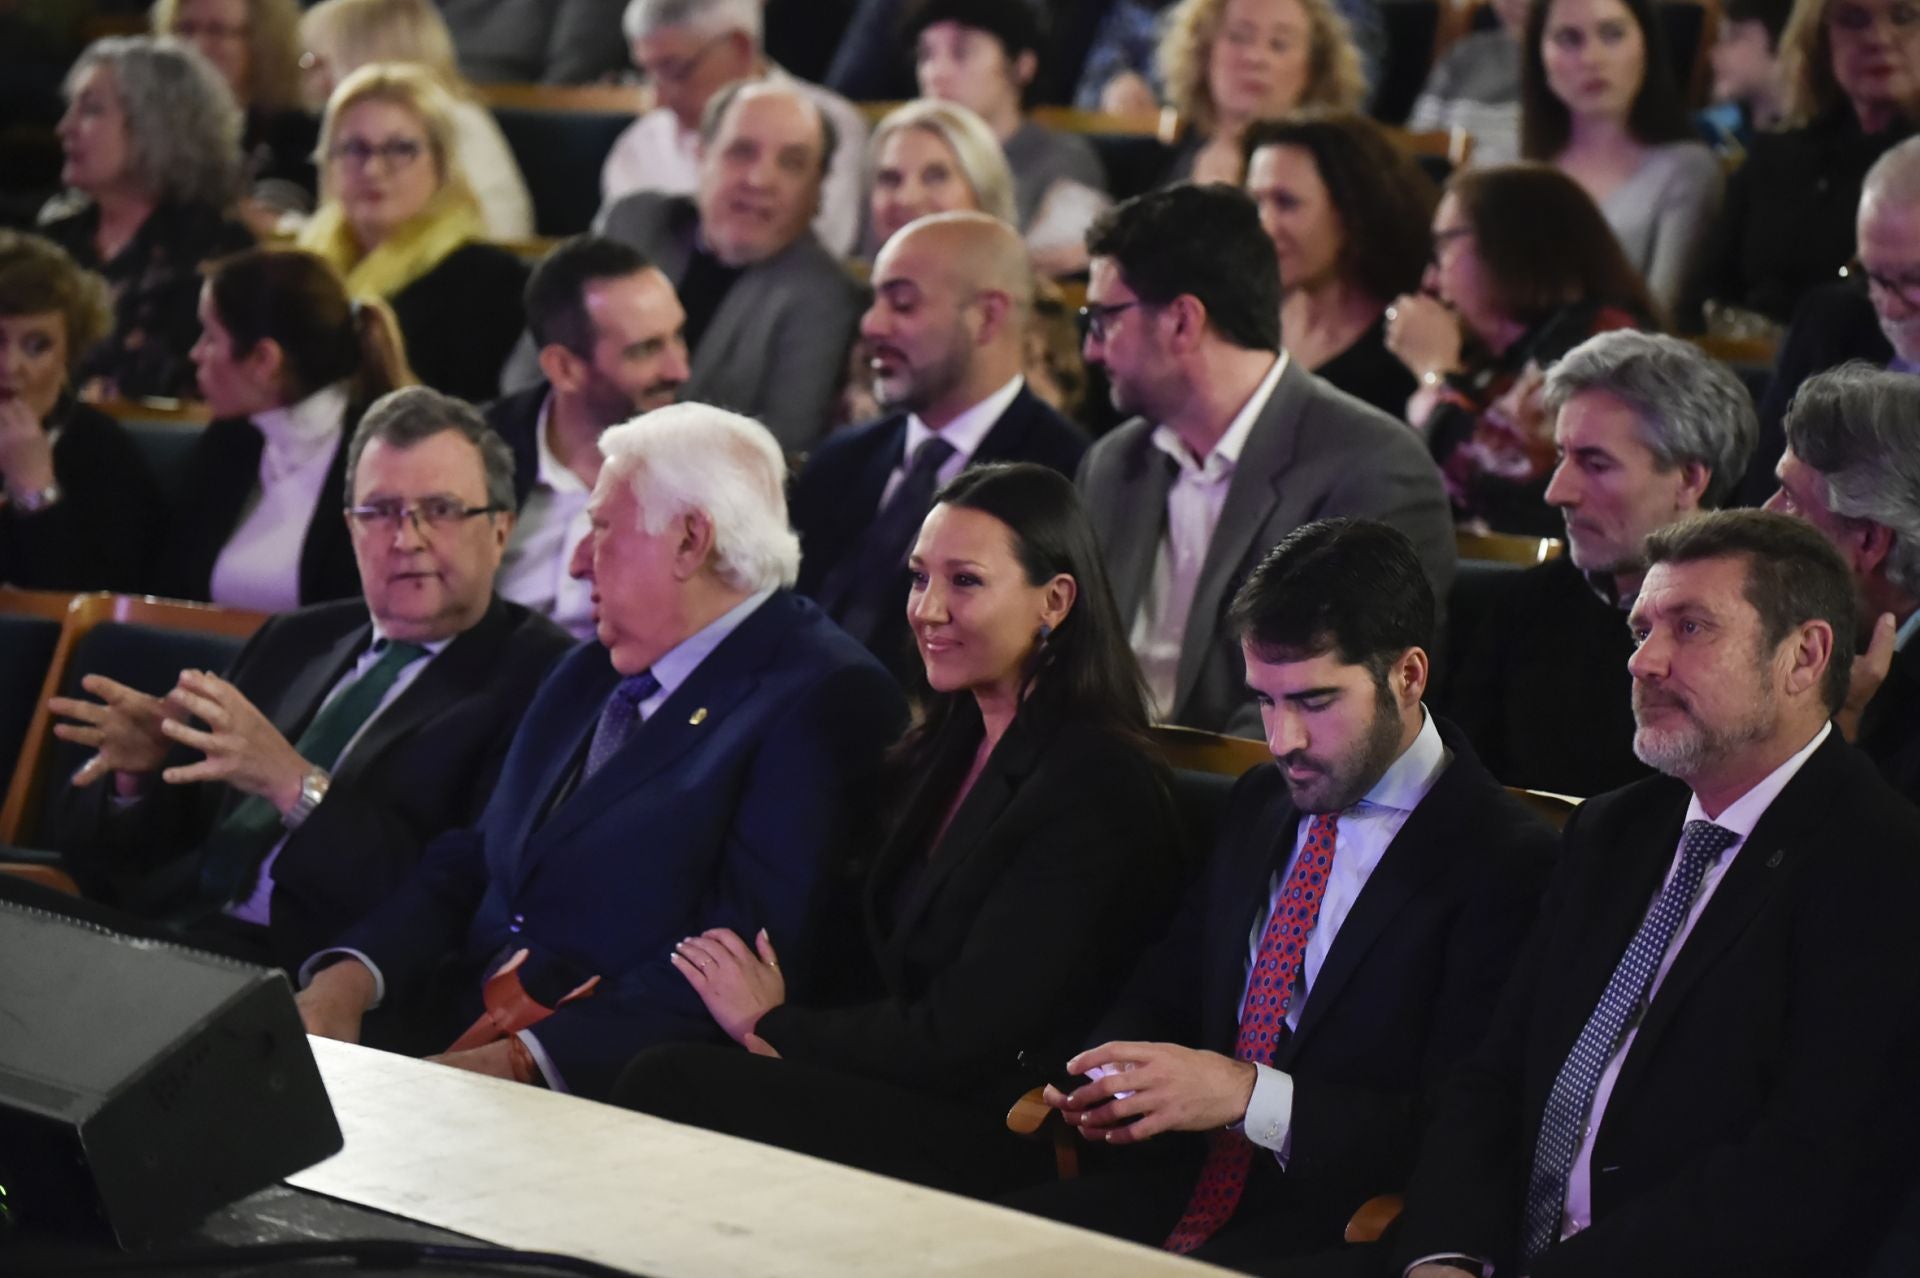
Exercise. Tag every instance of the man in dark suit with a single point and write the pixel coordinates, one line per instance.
(953, 298)
(1649, 431)
(316, 817)
(697, 767)
(1342, 951)
(1704, 1062)
(610, 335)
(1234, 445)
(1852, 470)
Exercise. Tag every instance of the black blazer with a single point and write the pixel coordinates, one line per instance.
(1890, 728)
(222, 474)
(1764, 1118)
(461, 319)
(101, 534)
(424, 766)
(1406, 989)
(1007, 937)
(516, 419)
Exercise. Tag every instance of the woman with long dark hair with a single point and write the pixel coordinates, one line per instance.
(1035, 847)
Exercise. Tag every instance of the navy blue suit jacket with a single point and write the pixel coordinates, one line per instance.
(729, 807)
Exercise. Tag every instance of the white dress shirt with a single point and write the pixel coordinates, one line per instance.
(259, 567)
(964, 432)
(1740, 817)
(1194, 503)
(552, 523)
(1908, 628)
(1361, 837)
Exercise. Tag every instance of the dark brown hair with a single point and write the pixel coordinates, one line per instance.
(295, 299)
(1657, 115)
(37, 276)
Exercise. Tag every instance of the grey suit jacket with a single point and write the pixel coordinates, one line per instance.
(1314, 453)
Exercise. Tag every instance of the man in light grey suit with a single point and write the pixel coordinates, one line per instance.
(770, 313)
(1233, 445)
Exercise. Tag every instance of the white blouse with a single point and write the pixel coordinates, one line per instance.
(259, 567)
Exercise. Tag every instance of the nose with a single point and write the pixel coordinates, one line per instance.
(1430, 279)
(407, 534)
(927, 605)
(1650, 658)
(873, 324)
(1563, 490)
(679, 364)
(580, 567)
(1286, 730)
(1093, 349)
(1776, 502)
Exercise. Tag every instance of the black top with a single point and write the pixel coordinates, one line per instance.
(461, 319)
(1367, 370)
(102, 532)
(156, 291)
(702, 287)
(1890, 728)
(278, 146)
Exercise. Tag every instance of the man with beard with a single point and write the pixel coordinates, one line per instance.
(953, 298)
(1649, 431)
(1278, 1050)
(610, 333)
(1704, 1063)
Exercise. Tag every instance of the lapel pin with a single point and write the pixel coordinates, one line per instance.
(698, 717)
(1773, 862)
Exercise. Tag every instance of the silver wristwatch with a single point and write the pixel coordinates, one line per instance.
(313, 788)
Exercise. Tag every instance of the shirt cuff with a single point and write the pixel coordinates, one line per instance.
(326, 958)
(1269, 1120)
(548, 1071)
(1484, 1268)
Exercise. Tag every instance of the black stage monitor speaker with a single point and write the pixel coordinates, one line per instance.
(143, 1085)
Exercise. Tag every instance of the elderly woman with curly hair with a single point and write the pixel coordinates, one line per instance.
(151, 139)
(1227, 63)
(79, 509)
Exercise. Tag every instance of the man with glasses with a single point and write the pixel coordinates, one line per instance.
(345, 736)
(1232, 447)
(688, 50)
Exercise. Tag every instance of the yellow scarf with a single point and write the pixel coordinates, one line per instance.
(416, 246)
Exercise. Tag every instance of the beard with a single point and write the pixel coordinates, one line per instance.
(1688, 748)
(1338, 783)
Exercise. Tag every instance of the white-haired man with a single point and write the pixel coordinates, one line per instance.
(693, 769)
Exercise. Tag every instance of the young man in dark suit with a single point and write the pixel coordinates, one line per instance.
(1279, 1049)
(953, 298)
(1704, 1063)
(314, 818)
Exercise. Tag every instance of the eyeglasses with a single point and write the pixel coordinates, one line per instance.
(676, 70)
(1093, 318)
(1855, 18)
(1905, 287)
(394, 153)
(432, 512)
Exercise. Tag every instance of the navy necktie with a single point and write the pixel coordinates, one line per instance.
(618, 720)
(864, 586)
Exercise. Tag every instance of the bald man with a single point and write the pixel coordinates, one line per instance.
(953, 296)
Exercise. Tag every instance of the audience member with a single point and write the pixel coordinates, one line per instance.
(1348, 215)
(1227, 63)
(1852, 73)
(1599, 101)
(152, 145)
(1749, 93)
(947, 332)
(1475, 85)
(255, 45)
(609, 331)
(288, 364)
(933, 157)
(1118, 75)
(1703, 1062)
(343, 36)
(1279, 1050)
(689, 50)
(1038, 837)
(984, 55)
(1852, 470)
(1647, 431)
(81, 510)
(337, 746)
(770, 312)
(1524, 269)
(399, 222)
(701, 766)
(537, 41)
(1235, 442)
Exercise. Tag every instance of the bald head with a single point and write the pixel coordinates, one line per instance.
(1887, 240)
(953, 293)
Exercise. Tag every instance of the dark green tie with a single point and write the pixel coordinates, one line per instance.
(234, 849)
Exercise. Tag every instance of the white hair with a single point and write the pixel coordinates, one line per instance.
(707, 17)
(689, 457)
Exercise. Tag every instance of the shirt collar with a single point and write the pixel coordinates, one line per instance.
(432, 646)
(1745, 812)
(551, 473)
(1407, 780)
(967, 430)
(1908, 628)
(1229, 447)
(685, 657)
(298, 433)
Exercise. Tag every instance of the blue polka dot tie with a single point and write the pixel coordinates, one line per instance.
(618, 719)
(1263, 1019)
(1563, 1126)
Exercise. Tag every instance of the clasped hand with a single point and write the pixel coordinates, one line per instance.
(737, 985)
(1168, 1088)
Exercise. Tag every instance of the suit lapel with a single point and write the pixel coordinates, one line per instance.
(1245, 890)
(308, 689)
(1135, 525)
(1007, 439)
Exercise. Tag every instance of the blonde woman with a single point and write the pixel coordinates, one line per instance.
(933, 157)
(399, 222)
(342, 36)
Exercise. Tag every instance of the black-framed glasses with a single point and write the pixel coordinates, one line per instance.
(394, 153)
(428, 512)
(1092, 318)
(1905, 287)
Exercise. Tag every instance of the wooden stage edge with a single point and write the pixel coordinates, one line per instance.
(522, 1167)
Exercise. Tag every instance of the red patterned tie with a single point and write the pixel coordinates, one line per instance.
(1283, 948)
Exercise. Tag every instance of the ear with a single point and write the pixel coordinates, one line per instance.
(1057, 600)
(693, 543)
(1809, 653)
(1024, 68)
(266, 362)
(1694, 478)
(996, 312)
(1189, 316)
(1870, 544)
(503, 523)
(564, 371)
(1409, 676)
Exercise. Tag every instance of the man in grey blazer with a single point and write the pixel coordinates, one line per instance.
(770, 313)
(1232, 446)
